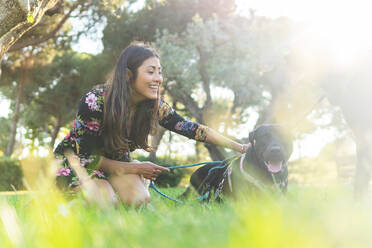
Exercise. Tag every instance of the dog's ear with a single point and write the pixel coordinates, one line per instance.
(251, 137)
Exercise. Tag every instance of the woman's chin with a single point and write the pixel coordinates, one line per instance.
(152, 96)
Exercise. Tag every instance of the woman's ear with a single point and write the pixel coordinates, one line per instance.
(129, 75)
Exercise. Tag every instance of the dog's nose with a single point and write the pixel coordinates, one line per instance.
(275, 149)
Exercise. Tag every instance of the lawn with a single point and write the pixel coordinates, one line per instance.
(308, 217)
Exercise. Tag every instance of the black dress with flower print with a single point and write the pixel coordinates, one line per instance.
(86, 139)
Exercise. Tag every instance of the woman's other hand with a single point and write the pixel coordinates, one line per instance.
(150, 170)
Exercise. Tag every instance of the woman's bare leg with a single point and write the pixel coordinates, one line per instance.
(131, 189)
(96, 190)
(107, 190)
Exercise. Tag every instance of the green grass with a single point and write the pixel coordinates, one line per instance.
(310, 217)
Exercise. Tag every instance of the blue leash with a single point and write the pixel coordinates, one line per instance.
(184, 166)
(192, 165)
(164, 195)
(203, 197)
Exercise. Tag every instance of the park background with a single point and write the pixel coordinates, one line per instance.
(228, 64)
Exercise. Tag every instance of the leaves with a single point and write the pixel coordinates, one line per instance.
(30, 18)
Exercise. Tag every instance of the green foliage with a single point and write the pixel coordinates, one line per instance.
(168, 179)
(30, 18)
(173, 15)
(126, 26)
(10, 174)
(217, 53)
(61, 84)
(4, 133)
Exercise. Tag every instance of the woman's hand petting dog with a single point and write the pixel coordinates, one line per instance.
(150, 170)
(244, 148)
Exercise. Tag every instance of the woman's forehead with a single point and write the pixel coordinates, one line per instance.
(151, 62)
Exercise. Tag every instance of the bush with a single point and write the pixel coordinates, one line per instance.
(10, 174)
(170, 179)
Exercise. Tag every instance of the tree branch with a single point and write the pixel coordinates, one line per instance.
(204, 76)
(189, 103)
(22, 44)
(13, 35)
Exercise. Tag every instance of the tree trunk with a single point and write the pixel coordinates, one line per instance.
(363, 172)
(13, 20)
(13, 128)
(215, 152)
(197, 152)
(155, 141)
(57, 127)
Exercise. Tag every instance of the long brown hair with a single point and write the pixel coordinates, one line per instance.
(117, 109)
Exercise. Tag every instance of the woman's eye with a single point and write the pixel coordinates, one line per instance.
(151, 72)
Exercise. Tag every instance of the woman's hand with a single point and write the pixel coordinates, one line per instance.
(244, 147)
(150, 170)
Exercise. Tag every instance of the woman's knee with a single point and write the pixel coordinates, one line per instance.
(131, 189)
(134, 198)
(138, 201)
(107, 191)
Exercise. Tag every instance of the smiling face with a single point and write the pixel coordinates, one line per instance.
(148, 80)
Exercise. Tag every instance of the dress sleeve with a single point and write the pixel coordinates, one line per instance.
(84, 138)
(169, 119)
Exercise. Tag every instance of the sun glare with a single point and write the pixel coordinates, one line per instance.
(340, 27)
(344, 31)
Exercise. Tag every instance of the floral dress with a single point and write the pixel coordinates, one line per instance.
(86, 136)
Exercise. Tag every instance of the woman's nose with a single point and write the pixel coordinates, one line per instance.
(158, 78)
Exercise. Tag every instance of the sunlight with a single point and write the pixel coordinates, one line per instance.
(343, 31)
(340, 27)
(338, 31)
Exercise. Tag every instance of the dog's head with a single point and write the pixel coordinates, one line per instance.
(272, 145)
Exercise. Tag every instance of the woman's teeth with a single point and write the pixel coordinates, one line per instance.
(153, 86)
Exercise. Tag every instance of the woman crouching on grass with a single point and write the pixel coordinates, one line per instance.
(115, 119)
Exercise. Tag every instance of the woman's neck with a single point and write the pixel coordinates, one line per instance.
(136, 98)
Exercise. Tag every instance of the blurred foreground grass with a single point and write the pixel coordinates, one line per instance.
(311, 217)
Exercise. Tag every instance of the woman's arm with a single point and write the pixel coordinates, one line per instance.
(169, 119)
(149, 170)
(216, 138)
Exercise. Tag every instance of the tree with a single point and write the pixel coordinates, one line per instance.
(347, 86)
(33, 24)
(4, 133)
(18, 77)
(351, 89)
(53, 103)
(211, 54)
(16, 19)
(173, 16)
(26, 50)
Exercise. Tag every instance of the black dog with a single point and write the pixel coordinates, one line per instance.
(263, 165)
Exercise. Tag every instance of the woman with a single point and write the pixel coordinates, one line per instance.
(115, 119)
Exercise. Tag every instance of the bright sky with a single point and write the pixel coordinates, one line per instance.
(343, 26)
(4, 109)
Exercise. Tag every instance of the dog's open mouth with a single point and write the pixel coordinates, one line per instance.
(274, 166)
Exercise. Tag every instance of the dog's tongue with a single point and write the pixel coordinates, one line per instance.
(274, 166)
